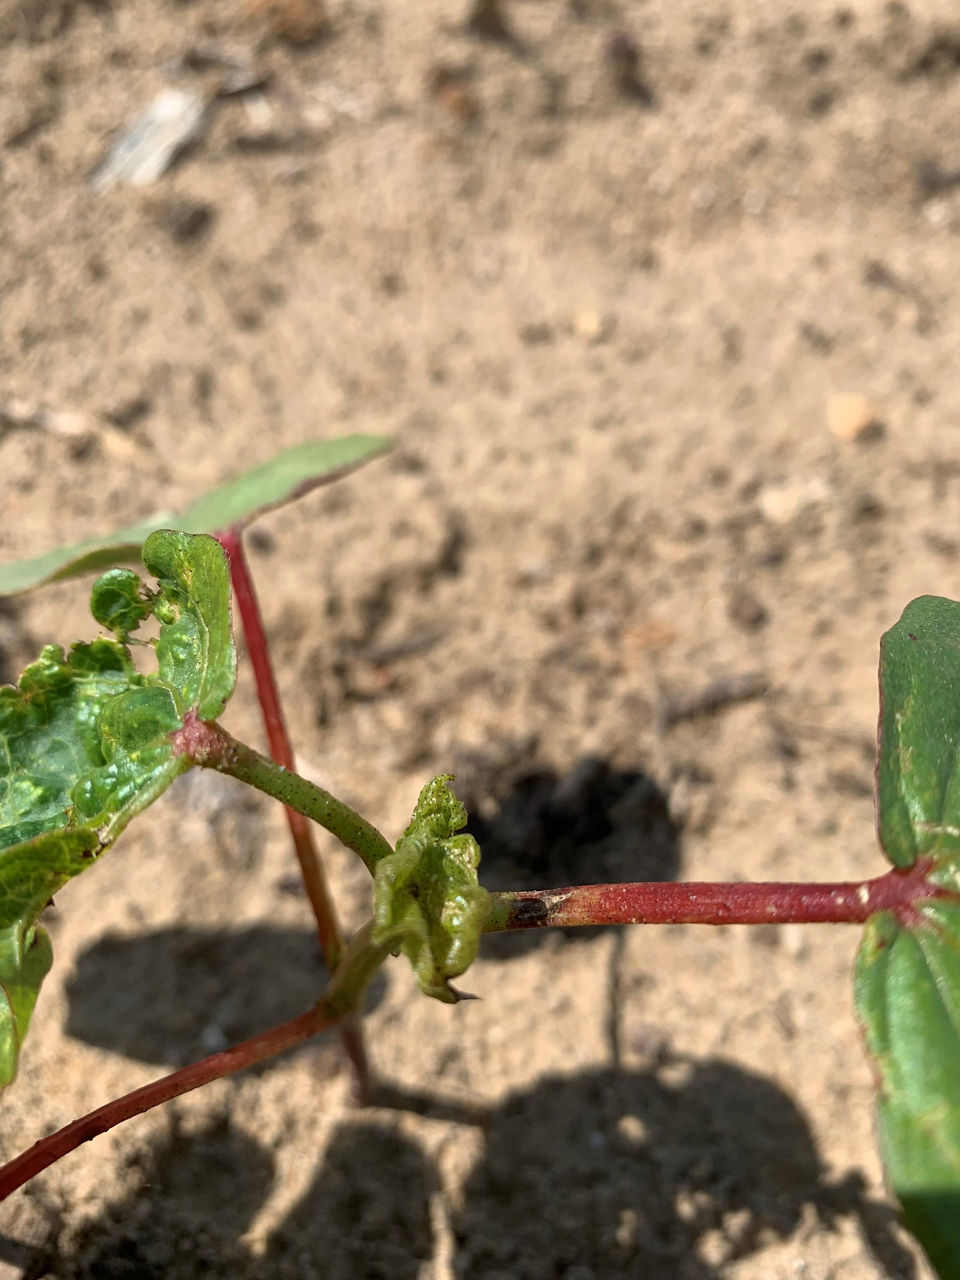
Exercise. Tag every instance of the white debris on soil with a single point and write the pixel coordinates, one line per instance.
(147, 149)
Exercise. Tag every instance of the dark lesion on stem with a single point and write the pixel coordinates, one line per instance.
(900, 891)
(528, 913)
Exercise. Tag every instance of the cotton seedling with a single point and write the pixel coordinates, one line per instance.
(90, 740)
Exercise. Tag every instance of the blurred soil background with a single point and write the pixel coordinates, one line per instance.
(659, 303)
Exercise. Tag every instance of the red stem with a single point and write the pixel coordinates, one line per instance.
(846, 902)
(52, 1148)
(281, 751)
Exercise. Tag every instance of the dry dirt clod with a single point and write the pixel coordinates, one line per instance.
(299, 21)
(746, 611)
(486, 19)
(117, 445)
(22, 120)
(183, 219)
(449, 87)
(852, 416)
(232, 72)
(622, 55)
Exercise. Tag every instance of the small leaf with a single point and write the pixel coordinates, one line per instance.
(118, 603)
(283, 479)
(195, 649)
(120, 547)
(908, 998)
(25, 960)
(85, 744)
(918, 769)
(427, 897)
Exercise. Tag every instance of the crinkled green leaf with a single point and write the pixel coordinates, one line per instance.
(908, 998)
(119, 603)
(427, 897)
(85, 743)
(918, 769)
(25, 960)
(55, 770)
(31, 872)
(283, 479)
(195, 649)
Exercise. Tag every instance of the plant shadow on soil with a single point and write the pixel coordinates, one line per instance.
(538, 830)
(200, 990)
(673, 1172)
(670, 1173)
(196, 991)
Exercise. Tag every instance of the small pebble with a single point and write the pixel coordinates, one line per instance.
(781, 503)
(594, 327)
(852, 416)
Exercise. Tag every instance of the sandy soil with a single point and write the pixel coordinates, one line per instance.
(605, 329)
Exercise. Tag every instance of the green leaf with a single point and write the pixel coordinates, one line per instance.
(195, 649)
(25, 960)
(34, 870)
(427, 900)
(85, 743)
(918, 769)
(908, 967)
(283, 479)
(120, 547)
(908, 998)
(118, 602)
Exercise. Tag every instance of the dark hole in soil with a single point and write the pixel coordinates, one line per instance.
(538, 830)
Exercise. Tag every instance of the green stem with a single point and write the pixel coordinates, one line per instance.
(209, 745)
